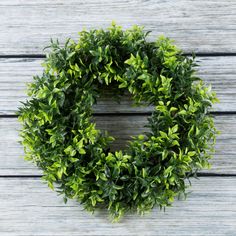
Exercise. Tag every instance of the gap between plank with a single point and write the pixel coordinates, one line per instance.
(198, 54)
(198, 175)
(214, 113)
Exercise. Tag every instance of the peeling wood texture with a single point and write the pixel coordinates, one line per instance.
(29, 207)
(207, 27)
(121, 127)
(200, 25)
(16, 72)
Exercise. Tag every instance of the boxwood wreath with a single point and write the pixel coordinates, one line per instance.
(60, 136)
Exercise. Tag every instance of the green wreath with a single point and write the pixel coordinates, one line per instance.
(59, 136)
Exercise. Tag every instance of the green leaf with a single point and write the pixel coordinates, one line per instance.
(82, 151)
(175, 128)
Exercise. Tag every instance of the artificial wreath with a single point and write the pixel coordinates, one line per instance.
(59, 135)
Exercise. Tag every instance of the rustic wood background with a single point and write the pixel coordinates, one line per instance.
(208, 27)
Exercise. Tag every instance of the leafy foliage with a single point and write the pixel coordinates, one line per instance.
(60, 137)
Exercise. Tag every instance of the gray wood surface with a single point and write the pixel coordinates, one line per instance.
(29, 207)
(208, 27)
(16, 72)
(199, 25)
(121, 127)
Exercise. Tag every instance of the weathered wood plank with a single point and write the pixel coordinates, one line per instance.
(201, 25)
(121, 127)
(28, 207)
(15, 73)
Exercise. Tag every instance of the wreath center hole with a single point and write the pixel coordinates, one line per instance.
(121, 120)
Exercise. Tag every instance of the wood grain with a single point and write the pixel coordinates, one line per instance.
(201, 25)
(208, 27)
(121, 127)
(29, 207)
(16, 72)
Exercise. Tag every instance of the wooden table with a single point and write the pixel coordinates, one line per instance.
(208, 27)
